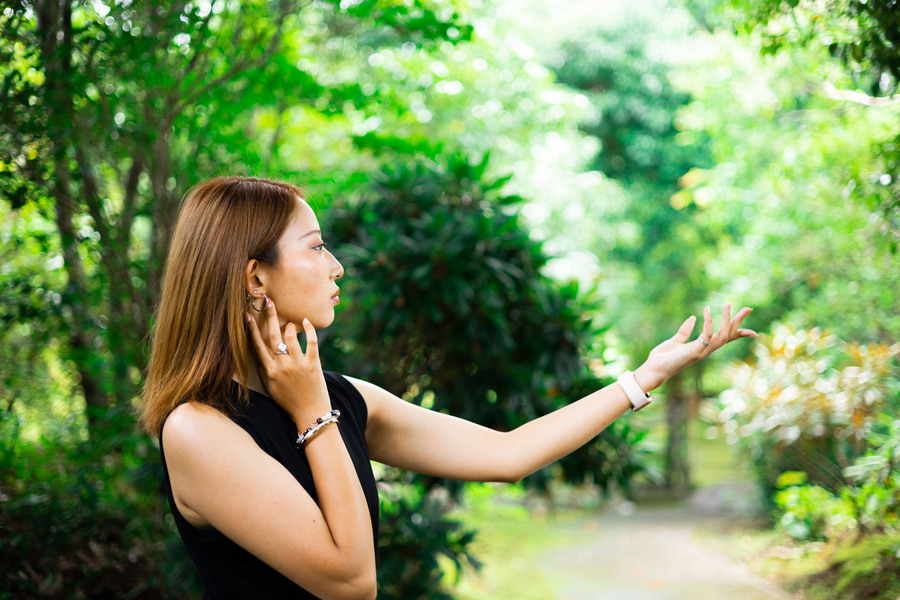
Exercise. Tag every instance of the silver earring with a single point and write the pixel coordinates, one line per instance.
(265, 302)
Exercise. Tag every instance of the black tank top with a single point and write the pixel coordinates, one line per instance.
(226, 569)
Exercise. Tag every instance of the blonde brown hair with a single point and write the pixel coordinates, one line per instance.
(200, 339)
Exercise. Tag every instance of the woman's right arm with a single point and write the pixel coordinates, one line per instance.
(220, 477)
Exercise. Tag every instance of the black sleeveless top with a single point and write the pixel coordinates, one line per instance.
(226, 569)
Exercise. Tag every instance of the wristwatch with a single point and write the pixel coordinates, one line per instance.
(638, 397)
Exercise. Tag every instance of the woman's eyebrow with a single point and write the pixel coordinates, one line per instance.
(313, 232)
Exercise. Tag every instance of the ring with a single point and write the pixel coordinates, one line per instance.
(702, 341)
(282, 349)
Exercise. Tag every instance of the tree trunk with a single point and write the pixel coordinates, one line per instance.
(55, 34)
(677, 471)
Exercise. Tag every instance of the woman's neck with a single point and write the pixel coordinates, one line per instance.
(254, 381)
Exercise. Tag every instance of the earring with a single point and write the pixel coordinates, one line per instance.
(265, 300)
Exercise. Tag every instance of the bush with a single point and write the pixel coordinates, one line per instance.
(80, 520)
(808, 511)
(453, 311)
(418, 541)
(869, 505)
(805, 403)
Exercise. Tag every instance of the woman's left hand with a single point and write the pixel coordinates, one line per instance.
(676, 353)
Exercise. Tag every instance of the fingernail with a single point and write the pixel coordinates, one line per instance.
(269, 303)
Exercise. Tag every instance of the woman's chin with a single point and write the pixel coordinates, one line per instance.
(322, 321)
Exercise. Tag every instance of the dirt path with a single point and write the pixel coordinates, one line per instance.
(654, 554)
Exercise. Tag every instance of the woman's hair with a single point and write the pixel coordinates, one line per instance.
(200, 339)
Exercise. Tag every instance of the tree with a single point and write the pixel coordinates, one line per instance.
(799, 186)
(109, 111)
(658, 253)
(92, 96)
(863, 36)
(454, 313)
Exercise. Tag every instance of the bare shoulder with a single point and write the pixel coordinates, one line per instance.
(206, 454)
(193, 420)
(197, 432)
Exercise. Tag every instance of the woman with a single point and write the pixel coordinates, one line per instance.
(272, 497)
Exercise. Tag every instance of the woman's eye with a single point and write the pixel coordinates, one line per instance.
(319, 247)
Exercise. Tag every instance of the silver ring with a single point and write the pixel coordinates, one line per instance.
(282, 349)
(702, 341)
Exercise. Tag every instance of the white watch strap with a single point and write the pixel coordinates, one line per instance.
(638, 397)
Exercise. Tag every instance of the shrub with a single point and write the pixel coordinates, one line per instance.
(805, 403)
(78, 520)
(417, 541)
(808, 511)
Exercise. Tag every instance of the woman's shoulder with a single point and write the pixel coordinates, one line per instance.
(195, 424)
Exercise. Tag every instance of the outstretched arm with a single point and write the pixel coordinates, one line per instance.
(410, 437)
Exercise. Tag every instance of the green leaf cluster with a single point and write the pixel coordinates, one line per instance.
(454, 312)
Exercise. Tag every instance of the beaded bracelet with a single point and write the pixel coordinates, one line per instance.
(326, 419)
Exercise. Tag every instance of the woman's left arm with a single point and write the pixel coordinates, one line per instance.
(404, 435)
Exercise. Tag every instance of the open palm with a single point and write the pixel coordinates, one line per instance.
(676, 353)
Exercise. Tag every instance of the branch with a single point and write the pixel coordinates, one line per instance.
(114, 249)
(858, 97)
(129, 201)
(236, 68)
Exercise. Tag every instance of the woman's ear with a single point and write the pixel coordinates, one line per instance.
(253, 279)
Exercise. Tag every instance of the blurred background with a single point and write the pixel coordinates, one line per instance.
(527, 196)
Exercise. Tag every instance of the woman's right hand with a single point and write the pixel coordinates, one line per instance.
(293, 379)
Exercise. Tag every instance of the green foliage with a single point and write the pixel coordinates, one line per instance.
(623, 70)
(621, 455)
(866, 569)
(417, 540)
(655, 265)
(862, 34)
(453, 290)
(835, 66)
(454, 313)
(875, 493)
(805, 404)
(83, 521)
(807, 511)
(863, 513)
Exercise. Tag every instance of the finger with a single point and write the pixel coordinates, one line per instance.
(273, 330)
(312, 342)
(726, 319)
(684, 332)
(262, 352)
(290, 338)
(747, 333)
(707, 324)
(741, 315)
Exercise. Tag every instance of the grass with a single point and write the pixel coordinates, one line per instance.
(510, 539)
(514, 536)
(513, 533)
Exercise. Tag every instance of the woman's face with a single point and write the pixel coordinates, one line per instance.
(302, 282)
